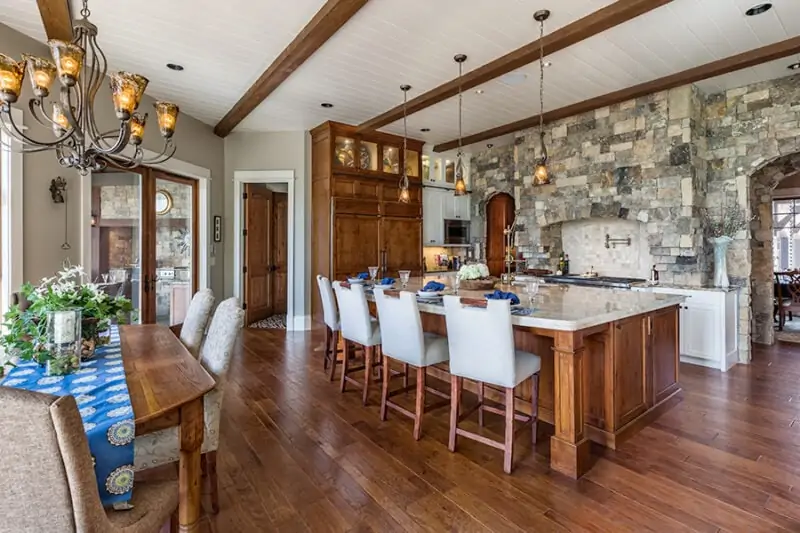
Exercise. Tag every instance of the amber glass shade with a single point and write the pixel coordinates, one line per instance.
(540, 175)
(126, 90)
(404, 196)
(11, 75)
(69, 60)
(137, 128)
(167, 117)
(41, 72)
(461, 187)
(61, 124)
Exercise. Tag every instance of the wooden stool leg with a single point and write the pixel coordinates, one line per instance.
(345, 360)
(508, 448)
(480, 404)
(420, 403)
(334, 354)
(455, 400)
(211, 461)
(385, 387)
(369, 352)
(534, 406)
(405, 375)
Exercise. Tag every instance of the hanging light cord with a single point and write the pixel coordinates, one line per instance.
(541, 91)
(404, 179)
(460, 98)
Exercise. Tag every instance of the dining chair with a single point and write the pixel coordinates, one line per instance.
(48, 481)
(359, 328)
(402, 339)
(481, 342)
(330, 315)
(162, 447)
(194, 325)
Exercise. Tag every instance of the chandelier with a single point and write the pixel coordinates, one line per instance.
(81, 69)
(403, 194)
(460, 186)
(540, 174)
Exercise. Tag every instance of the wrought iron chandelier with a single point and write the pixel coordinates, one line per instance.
(461, 186)
(404, 194)
(81, 69)
(540, 174)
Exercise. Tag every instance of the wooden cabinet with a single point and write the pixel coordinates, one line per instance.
(663, 345)
(630, 368)
(357, 220)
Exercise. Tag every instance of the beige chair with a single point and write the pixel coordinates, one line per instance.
(330, 314)
(162, 447)
(194, 325)
(48, 481)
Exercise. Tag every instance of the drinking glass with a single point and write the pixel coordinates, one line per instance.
(457, 284)
(373, 271)
(404, 275)
(531, 289)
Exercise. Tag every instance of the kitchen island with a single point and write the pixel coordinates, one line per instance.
(609, 362)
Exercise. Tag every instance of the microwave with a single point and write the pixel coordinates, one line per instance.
(456, 232)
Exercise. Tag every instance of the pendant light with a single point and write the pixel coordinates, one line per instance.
(540, 174)
(404, 196)
(461, 186)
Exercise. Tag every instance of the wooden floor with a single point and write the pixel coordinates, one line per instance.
(296, 455)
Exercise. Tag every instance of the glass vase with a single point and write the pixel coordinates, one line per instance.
(63, 342)
(721, 261)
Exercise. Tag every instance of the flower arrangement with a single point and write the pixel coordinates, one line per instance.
(473, 271)
(728, 224)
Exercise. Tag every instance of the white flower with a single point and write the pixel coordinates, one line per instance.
(473, 271)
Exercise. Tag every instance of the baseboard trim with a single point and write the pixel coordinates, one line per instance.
(301, 323)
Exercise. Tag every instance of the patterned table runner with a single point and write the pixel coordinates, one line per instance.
(101, 393)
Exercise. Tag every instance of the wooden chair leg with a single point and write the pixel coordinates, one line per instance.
(174, 525)
(211, 461)
(420, 403)
(203, 466)
(369, 352)
(334, 354)
(480, 404)
(385, 387)
(327, 357)
(345, 360)
(405, 375)
(455, 400)
(508, 448)
(534, 406)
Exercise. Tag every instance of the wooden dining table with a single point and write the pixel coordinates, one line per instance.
(166, 386)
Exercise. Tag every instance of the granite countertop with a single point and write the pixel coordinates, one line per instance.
(678, 286)
(566, 307)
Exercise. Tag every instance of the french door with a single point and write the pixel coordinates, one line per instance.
(144, 240)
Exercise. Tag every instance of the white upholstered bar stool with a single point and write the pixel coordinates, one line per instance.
(330, 315)
(357, 327)
(482, 349)
(403, 340)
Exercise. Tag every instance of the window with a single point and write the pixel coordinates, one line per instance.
(10, 220)
(786, 234)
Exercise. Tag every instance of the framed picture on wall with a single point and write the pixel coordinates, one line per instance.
(217, 228)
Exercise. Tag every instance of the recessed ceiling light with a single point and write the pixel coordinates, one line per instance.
(478, 91)
(758, 9)
(174, 66)
(548, 64)
(794, 66)
(489, 145)
(326, 105)
(424, 130)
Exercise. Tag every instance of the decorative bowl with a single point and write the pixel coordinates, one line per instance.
(477, 284)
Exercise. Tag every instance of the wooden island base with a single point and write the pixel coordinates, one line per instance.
(599, 384)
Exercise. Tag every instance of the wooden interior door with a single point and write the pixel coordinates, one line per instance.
(356, 244)
(499, 215)
(258, 296)
(401, 245)
(280, 258)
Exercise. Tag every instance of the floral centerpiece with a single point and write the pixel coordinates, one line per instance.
(475, 277)
(721, 232)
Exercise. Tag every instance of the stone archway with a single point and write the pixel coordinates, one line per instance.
(762, 184)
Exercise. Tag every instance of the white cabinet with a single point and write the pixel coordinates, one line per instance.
(432, 218)
(462, 207)
(709, 326)
(455, 207)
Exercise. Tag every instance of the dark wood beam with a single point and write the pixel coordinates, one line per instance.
(56, 19)
(613, 15)
(333, 15)
(709, 70)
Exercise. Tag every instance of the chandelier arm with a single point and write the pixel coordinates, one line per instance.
(99, 69)
(66, 105)
(122, 137)
(166, 154)
(11, 127)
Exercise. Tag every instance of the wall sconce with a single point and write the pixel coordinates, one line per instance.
(58, 186)
(94, 220)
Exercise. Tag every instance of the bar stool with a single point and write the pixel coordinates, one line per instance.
(357, 327)
(482, 349)
(403, 340)
(330, 315)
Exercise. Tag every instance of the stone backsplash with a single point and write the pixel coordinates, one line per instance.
(584, 242)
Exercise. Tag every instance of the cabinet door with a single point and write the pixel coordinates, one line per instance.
(630, 368)
(664, 353)
(401, 245)
(698, 330)
(448, 204)
(431, 217)
(462, 207)
(356, 241)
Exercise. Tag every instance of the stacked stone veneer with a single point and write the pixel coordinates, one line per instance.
(660, 160)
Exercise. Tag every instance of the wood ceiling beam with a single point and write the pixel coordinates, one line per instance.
(333, 15)
(709, 70)
(56, 19)
(597, 22)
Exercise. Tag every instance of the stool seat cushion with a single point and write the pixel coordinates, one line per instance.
(437, 349)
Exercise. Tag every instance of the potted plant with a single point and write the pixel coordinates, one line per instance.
(475, 277)
(721, 232)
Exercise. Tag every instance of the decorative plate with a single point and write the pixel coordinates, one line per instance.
(365, 159)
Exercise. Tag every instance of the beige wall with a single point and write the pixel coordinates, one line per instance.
(44, 220)
(274, 151)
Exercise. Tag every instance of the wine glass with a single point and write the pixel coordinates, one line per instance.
(404, 275)
(373, 271)
(457, 283)
(531, 289)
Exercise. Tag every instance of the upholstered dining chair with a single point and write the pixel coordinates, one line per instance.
(194, 325)
(358, 328)
(481, 342)
(48, 481)
(330, 315)
(402, 339)
(162, 447)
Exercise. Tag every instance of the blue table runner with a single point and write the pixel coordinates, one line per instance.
(101, 392)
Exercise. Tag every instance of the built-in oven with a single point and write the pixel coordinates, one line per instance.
(456, 231)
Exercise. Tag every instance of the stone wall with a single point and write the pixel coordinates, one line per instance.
(661, 160)
(584, 242)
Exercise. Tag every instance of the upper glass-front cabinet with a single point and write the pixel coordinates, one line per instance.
(412, 163)
(368, 156)
(391, 159)
(345, 152)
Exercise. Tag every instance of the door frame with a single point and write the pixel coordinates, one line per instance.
(12, 237)
(240, 178)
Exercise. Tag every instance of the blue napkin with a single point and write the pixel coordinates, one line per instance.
(433, 286)
(500, 295)
(364, 275)
(387, 281)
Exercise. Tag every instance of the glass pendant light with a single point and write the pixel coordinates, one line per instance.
(461, 186)
(541, 174)
(404, 196)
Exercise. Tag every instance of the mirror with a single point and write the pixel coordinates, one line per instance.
(163, 202)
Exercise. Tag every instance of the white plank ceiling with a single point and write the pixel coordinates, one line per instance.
(391, 42)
